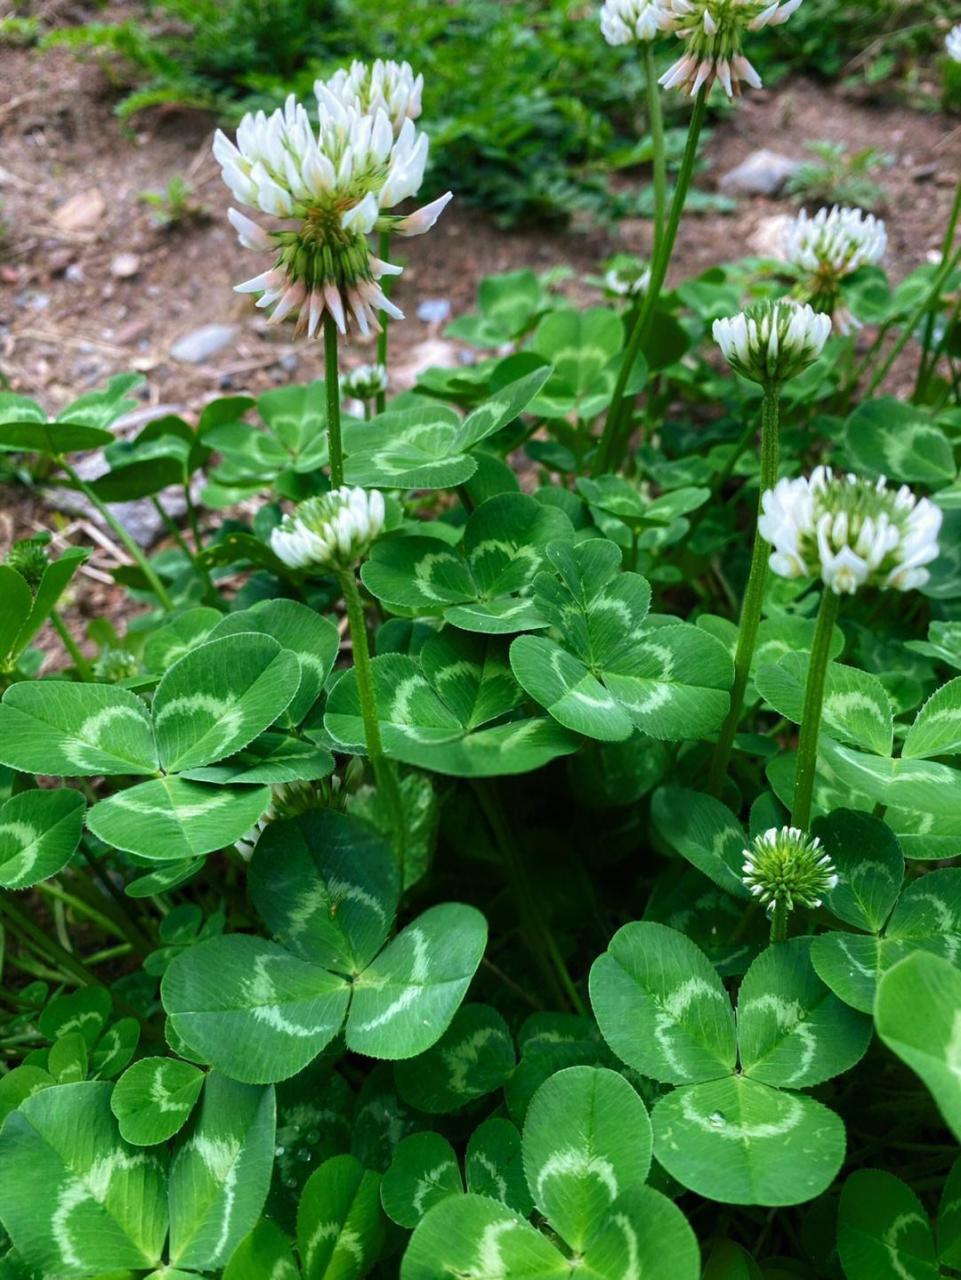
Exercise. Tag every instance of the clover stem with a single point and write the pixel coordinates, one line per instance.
(335, 447)
(656, 124)
(39, 941)
(80, 663)
(753, 593)
(383, 251)
(928, 361)
(807, 755)
(117, 528)
(911, 325)
(610, 448)
(537, 932)
(779, 921)
(385, 774)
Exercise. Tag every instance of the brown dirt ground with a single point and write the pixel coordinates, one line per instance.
(66, 323)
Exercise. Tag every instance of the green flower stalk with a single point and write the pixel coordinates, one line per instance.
(785, 869)
(768, 344)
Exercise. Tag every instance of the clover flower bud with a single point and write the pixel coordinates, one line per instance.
(713, 31)
(29, 558)
(772, 342)
(114, 665)
(330, 532)
(787, 868)
(952, 43)
(325, 190)
(624, 21)
(627, 276)
(365, 381)
(827, 248)
(852, 532)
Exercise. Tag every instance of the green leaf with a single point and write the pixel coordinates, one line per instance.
(312, 639)
(922, 786)
(917, 1016)
(265, 1252)
(405, 1001)
(178, 637)
(642, 1230)
(483, 584)
(39, 831)
(219, 697)
(67, 1060)
(890, 438)
(252, 1010)
(587, 1139)
(883, 1232)
(326, 885)
(55, 580)
(949, 1218)
(494, 1165)
(869, 863)
(340, 1225)
(661, 1006)
(51, 438)
(153, 1099)
(742, 1142)
(729, 1261)
(856, 709)
(428, 447)
(937, 727)
(16, 601)
(220, 1174)
(171, 819)
(74, 1197)
(471, 1235)
(272, 758)
(86, 1010)
(583, 347)
(705, 832)
(473, 1057)
(791, 1029)
(75, 730)
(424, 1171)
(435, 714)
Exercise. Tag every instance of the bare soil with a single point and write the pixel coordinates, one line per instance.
(67, 320)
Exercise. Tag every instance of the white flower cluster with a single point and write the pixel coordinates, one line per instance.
(785, 866)
(828, 247)
(364, 381)
(332, 531)
(713, 31)
(390, 87)
(852, 532)
(952, 43)
(329, 188)
(774, 341)
(624, 21)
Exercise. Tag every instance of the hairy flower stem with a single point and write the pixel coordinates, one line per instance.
(656, 123)
(807, 755)
(383, 250)
(385, 774)
(335, 447)
(779, 922)
(929, 359)
(81, 665)
(537, 934)
(159, 590)
(753, 594)
(911, 324)
(610, 449)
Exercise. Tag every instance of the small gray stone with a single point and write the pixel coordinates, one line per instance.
(124, 265)
(763, 173)
(434, 310)
(200, 344)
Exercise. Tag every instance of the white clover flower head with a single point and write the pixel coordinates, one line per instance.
(852, 532)
(365, 381)
(827, 248)
(625, 21)
(287, 800)
(773, 341)
(325, 190)
(329, 532)
(386, 86)
(952, 43)
(785, 867)
(627, 276)
(713, 31)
